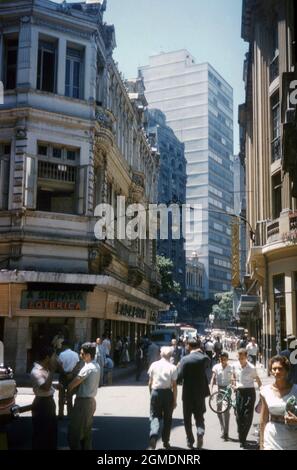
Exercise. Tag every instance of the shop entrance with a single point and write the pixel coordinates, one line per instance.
(44, 330)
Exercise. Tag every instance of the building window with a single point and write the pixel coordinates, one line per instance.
(58, 179)
(74, 73)
(4, 175)
(11, 57)
(274, 64)
(276, 195)
(47, 66)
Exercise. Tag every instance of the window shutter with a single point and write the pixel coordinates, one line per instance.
(82, 184)
(30, 182)
(4, 183)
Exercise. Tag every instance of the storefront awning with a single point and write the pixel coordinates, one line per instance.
(248, 303)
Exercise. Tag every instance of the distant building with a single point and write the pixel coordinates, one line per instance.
(195, 279)
(171, 188)
(198, 105)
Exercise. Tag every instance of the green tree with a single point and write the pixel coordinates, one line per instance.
(224, 309)
(169, 286)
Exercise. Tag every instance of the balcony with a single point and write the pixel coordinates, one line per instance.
(293, 221)
(105, 118)
(136, 270)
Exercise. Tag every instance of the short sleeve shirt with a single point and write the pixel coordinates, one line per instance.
(223, 375)
(90, 374)
(39, 376)
(245, 376)
(162, 373)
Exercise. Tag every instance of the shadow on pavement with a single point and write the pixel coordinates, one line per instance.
(109, 433)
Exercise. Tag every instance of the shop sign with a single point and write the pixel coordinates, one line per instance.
(53, 300)
(127, 310)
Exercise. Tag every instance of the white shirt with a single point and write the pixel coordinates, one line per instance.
(39, 376)
(245, 376)
(162, 373)
(223, 375)
(68, 359)
(252, 349)
(209, 346)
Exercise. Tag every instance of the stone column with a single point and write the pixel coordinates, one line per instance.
(62, 53)
(290, 303)
(24, 63)
(21, 345)
(81, 329)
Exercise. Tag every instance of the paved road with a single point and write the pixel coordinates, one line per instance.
(122, 421)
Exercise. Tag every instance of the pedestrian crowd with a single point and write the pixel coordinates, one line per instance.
(200, 365)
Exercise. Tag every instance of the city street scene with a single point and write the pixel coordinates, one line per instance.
(148, 226)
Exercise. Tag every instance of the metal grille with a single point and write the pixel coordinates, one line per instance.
(56, 172)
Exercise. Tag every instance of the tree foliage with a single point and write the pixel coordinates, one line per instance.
(169, 286)
(224, 309)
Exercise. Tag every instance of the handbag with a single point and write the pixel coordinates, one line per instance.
(258, 406)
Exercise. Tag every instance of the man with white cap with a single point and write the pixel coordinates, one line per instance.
(163, 390)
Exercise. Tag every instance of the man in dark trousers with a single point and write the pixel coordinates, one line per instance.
(192, 373)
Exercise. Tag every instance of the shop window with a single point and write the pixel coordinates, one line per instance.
(4, 175)
(276, 195)
(11, 56)
(279, 312)
(47, 66)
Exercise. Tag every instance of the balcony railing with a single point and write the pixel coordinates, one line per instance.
(274, 69)
(56, 171)
(276, 150)
(273, 229)
(293, 221)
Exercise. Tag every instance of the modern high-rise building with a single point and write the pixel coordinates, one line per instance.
(198, 105)
(172, 183)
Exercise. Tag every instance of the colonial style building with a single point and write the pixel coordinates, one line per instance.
(71, 137)
(269, 141)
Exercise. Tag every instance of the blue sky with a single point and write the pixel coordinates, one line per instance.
(209, 29)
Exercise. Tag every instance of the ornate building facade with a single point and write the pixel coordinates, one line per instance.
(71, 137)
(268, 145)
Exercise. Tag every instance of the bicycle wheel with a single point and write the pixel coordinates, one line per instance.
(219, 403)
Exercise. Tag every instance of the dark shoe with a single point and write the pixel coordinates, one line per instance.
(190, 445)
(166, 445)
(226, 437)
(199, 441)
(243, 445)
(153, 442)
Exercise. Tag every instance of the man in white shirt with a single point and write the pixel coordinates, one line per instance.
(163, 390)
(222, 377)
(252, 350)
(244, 377)
(68, 360)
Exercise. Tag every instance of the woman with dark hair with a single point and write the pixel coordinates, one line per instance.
(278, 427)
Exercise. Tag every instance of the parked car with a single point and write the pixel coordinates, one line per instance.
(8, 393)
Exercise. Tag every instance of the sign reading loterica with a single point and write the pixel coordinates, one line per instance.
(53, 300)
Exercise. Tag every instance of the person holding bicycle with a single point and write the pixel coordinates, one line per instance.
(244, 377)
(222, 377)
